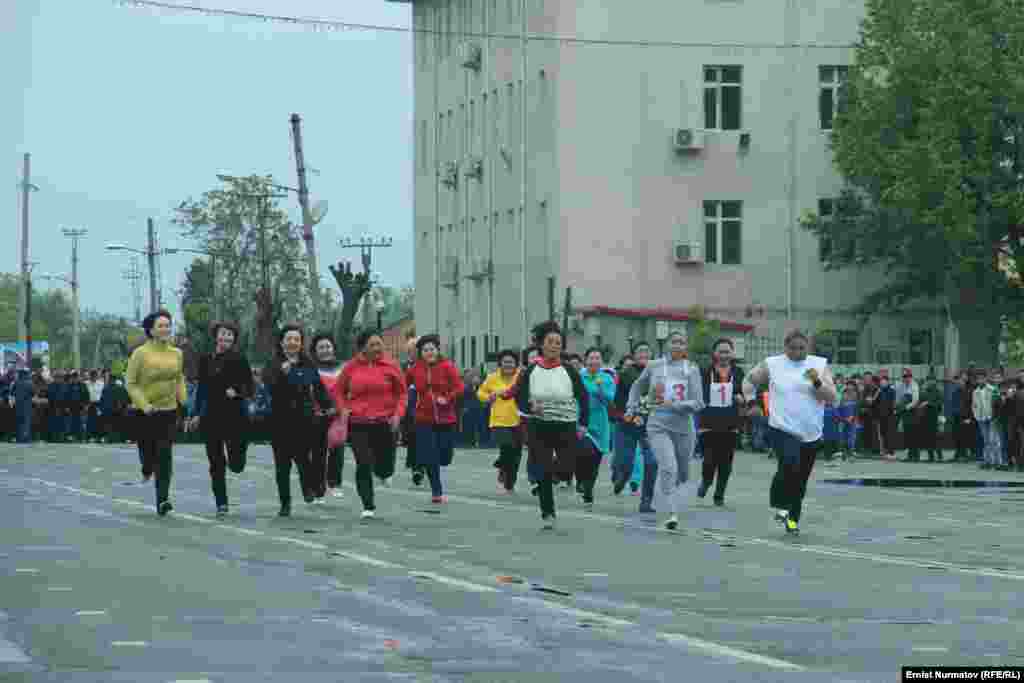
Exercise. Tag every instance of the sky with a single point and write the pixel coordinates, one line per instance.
(129, 111)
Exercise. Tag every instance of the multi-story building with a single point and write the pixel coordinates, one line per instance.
(654, 156)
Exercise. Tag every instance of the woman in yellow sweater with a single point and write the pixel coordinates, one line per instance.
(504, 419)
(155, 381)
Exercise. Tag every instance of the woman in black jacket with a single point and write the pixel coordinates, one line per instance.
(720, 419)
(553, 395)
(298, 401)
(224, 382)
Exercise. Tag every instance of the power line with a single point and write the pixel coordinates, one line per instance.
(330, 25)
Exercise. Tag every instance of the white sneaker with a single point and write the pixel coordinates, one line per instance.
(367, 514)
(337, 493)
(781, 516)
(672, 523)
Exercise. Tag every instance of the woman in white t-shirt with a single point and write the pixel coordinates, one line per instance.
(799, 387)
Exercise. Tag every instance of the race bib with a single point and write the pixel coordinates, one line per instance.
(721, 395)
(675, 392)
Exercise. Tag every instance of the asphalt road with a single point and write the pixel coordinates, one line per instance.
(95, 587)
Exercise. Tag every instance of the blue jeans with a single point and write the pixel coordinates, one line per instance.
(627, 438)
(848, 436)
(992, 442)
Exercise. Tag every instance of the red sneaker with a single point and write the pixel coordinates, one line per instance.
(440, 500)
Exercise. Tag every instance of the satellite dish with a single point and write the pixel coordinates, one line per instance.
(318, 211)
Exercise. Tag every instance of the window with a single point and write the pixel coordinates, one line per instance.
(920, 347)
(723, 233)
(722, 97)
(831, 80)
(825, 207)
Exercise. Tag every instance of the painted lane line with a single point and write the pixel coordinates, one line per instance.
(129, 643)
(595, 575)
(197, 680)
(26, 570)
(365, 559)
(730, 652)
(12, 654)
(90, 613)
(241, 530)
(457, 583)
(59, 589)
(928, 648)
(299, 542)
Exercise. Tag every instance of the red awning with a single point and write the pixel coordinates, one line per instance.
(673, 314)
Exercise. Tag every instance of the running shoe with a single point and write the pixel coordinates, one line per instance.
(285, 511)
(672, 523)
(146, 476)
(791, 527)
(163, 508)
(702, 490)
(634, 487)
(781, 516)
(617, 487)
(535, 490)
(222, 511)
(720, 502)
(336, 492)
(439, 500)
(367, 514)
(310, 500)
(548, 522)
(647, 510)
(588, 506)
(417, 479)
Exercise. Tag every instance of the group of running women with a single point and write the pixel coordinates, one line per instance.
(567, 415)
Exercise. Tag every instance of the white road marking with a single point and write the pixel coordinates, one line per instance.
(26, 570)
(129, 643)
(59, 589)
(457, 583)
(927, 648)
(241, 530)
(198, 680)
(996, 525)
(90, 613)
(97, 469)
(599, 575)
(366, 559)
(731, 652)
(12, 654)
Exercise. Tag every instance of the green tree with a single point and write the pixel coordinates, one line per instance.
(260, 279)
(703, 333)
(929, 139)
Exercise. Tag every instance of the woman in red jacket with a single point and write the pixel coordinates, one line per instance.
(371, 392)
(438, 385)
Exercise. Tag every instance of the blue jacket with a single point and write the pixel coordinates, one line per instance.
(600, 394)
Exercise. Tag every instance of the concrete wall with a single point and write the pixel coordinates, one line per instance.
(606, 196)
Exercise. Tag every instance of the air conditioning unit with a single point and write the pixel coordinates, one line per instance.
(449, 174)
(474, 168)
(686, 252)
(469, 55)
(688, 139)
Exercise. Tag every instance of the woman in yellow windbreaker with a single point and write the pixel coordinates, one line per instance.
(504, 418)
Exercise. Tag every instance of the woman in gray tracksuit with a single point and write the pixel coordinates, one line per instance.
(673, 391)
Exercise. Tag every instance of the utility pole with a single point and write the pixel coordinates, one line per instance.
(154, 298)
(366, 245)
(28, 314)
(133, 275)
(23, 296)
(76, 334)
(307, 219)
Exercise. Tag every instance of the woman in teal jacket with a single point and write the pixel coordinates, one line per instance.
(597, 440)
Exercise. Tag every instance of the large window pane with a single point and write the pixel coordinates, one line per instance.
(711, 108)
(826, 107)
(731, 242)
(731, 209)
(730, 108)
(710, 74)
(731, 74)
(710, 209)
(710, 243)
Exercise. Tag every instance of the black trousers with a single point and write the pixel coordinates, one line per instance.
(719, 450)
(225, 449)
(292, 443)
(510, 454)
(326, 463)
(373, 447)
(552, 450)
(588, 465)
(155, 437)
(789, 485)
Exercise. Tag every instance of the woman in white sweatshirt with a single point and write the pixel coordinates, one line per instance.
(673, 389)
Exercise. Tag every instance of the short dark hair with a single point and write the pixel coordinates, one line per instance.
(364, 338)
(508, 353)
(638, 345)
(150, 320)
(541, 331)
(319, 337)
(428, 339)
(218, 325)
(593, 349)
(723, 340)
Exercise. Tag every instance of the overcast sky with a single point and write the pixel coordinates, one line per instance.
(127, 111)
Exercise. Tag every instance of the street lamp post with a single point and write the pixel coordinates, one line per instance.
(150, 253)
(215, 303)
(76, 324)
